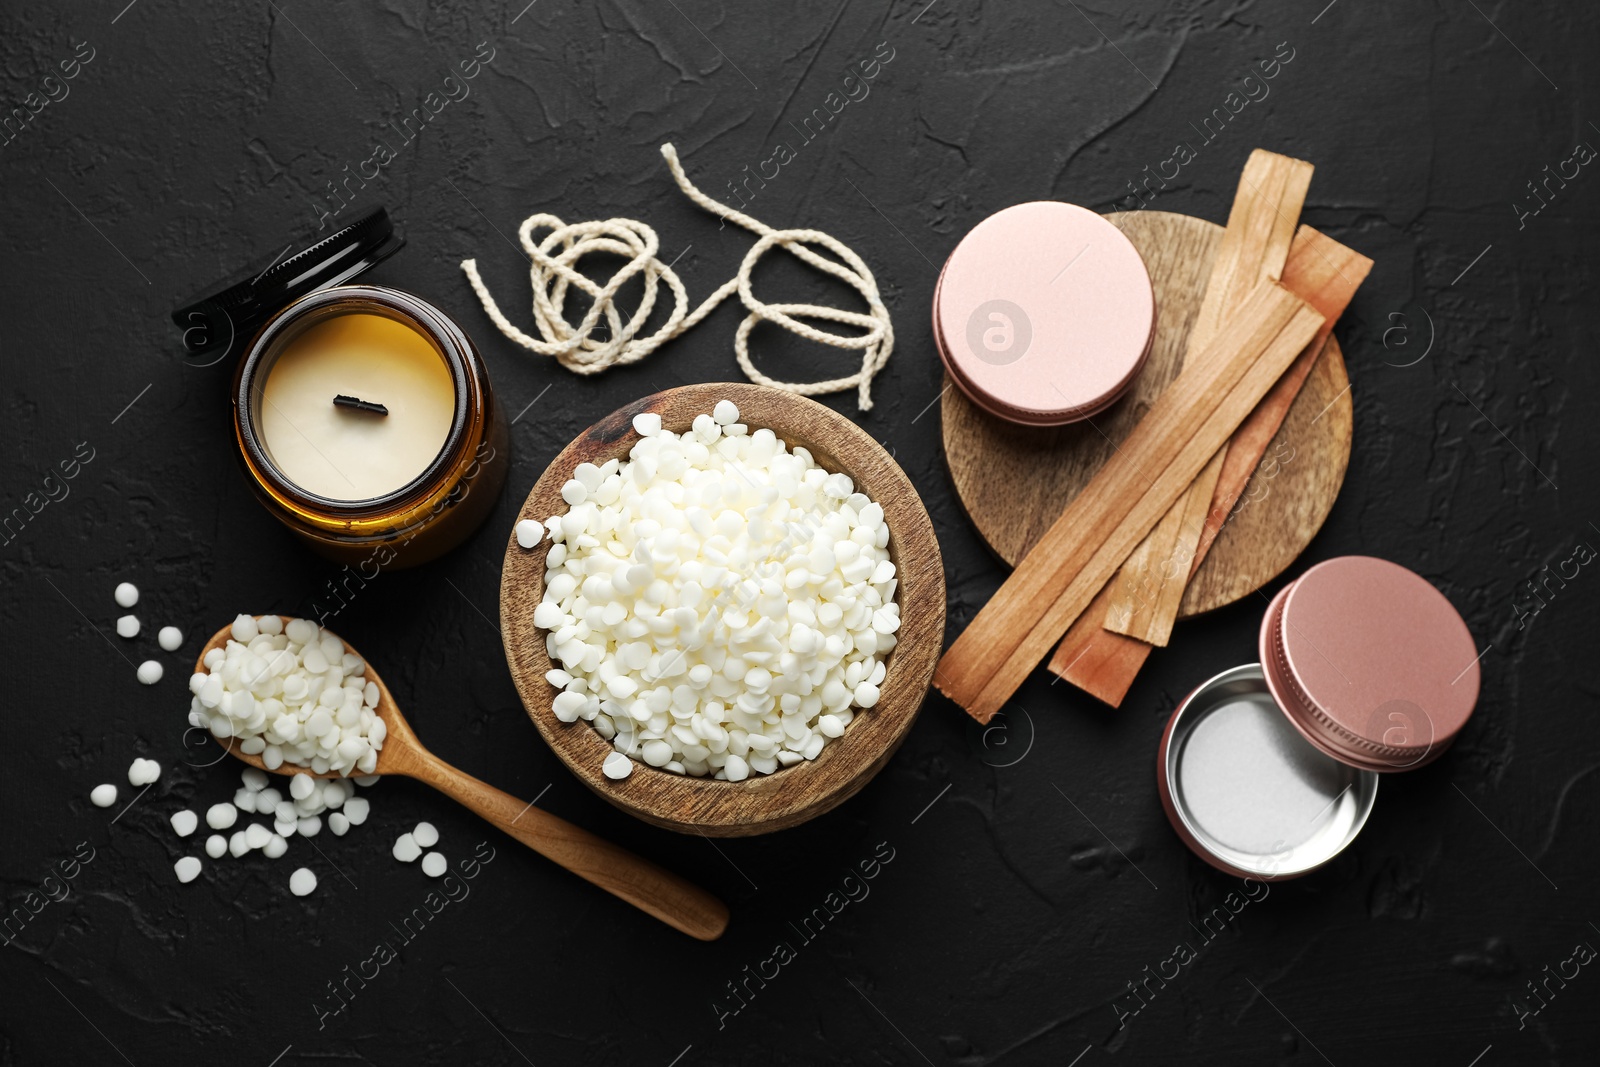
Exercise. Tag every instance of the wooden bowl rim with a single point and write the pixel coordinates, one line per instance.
(761, 803)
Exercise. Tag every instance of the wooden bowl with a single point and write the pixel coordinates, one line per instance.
(762, 802)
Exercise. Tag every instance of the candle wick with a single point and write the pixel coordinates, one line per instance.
(360, 405)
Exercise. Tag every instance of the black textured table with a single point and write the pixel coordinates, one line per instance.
(1029, 896)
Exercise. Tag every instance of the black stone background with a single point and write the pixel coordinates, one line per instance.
(1033, 874)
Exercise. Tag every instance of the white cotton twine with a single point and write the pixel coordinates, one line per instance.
(555, 260)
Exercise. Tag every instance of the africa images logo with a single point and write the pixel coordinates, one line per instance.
(999, 332)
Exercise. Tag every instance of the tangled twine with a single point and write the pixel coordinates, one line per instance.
(554, 271)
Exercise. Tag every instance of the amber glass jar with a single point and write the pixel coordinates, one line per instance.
(408, 519)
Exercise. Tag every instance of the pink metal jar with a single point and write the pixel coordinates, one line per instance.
(1044, 314)
(1270, 770)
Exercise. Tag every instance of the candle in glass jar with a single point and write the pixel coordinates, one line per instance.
(356, 451)
(366, 424)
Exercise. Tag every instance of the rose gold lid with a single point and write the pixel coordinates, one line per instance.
(1044, 313)
(1370, 662)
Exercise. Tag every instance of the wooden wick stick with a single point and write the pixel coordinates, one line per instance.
(1158, 461)
(1326, 274)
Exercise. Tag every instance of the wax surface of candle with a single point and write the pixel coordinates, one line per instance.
(346, 454)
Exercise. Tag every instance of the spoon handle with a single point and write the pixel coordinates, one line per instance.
(676, 902)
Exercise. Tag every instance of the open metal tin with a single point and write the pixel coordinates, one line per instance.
(1270, 770)
(1246, 792)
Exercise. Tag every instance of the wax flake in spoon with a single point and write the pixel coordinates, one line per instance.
(290, 693)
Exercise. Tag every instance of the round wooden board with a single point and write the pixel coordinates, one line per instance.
(1014, 481)
(763, 802)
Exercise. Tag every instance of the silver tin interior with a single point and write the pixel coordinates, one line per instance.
(1252, 792)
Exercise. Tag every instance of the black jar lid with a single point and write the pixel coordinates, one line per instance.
(227, 313)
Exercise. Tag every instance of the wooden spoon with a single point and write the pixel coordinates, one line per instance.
(671, 899)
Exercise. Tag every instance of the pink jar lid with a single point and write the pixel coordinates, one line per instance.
(1370, 662)
(1044, 313)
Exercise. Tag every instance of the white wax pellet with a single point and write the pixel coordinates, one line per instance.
(302, 785)
(285, 827)
(184, 822)
(126, 595)
(356, 809)
(256, 835)
(143, 772)
(309, 826)
(238, 844)
(425, 835)
(568, 705)
(334, 794)
(434, 865)
(617, 766)
(103, 796)
(169, 638)
(302, 882)
(128, 626)
(365, 780)
(245, 629)
(255, 779)
(736, 769)
(725, 412)
(275, 847)
(216, 846)
(529, 533)
(149, 672)
(221, 816)
(338, 823)
(244, 800)
(187, 868)
(406, 848)
(647, 424)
